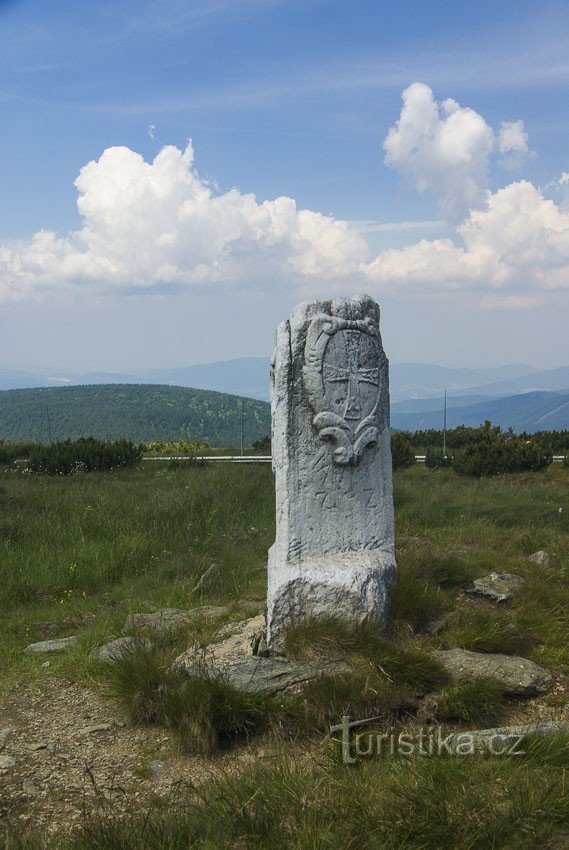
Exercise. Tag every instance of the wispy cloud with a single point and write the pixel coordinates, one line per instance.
(371, 226)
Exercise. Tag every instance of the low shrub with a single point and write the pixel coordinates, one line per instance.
(402, 451)
(494, 453)
(434, 459)
(9, 452)
(84, 455)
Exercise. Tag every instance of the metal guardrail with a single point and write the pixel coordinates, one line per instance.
(268, 458)
(225, 458)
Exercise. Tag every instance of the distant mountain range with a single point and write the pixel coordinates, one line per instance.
(517, 396)
(249, 376)
(537, 411)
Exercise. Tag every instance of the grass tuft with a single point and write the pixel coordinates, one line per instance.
(486, 630)
(481, 702)
(204, 712)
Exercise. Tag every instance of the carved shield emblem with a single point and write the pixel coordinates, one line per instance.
(342, 377)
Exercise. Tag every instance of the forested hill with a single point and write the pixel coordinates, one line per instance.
(138, 411)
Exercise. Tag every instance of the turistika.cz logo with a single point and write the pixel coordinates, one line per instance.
(422, 742)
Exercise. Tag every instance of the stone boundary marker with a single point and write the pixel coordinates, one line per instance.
(334, 547)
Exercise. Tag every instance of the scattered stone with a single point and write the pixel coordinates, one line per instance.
(503, 739)
(89, 730)
(239, 640)
(4, 734)
(265, 675)
(157, 769)
(57, 645)
(37, 747)
(46, 664)
(29, 786)
(541, 558)
(168, 620)
(496, 586)
(6, 762)
(435, 627)
(334, 552)
(117, 649)
(208, 578)
(518, 676)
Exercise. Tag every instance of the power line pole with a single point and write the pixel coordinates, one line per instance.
(48, 423)
(445, 428)
(242, 402)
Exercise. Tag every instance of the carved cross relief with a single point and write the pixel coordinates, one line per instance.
(342, 378)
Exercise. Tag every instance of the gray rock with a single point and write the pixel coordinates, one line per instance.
(496, 586)
(58, 645)
(4, 733)
(541, 558)
(334, 547)
(117, 649)
(501, 740)
(267, 675)
(168, 620)
(435, 627)
(157, 769)
(90, 730)
(6, 762)
(235, 642)
(29, 786)
(518, 676)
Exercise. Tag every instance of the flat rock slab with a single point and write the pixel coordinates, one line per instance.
(58, 645)
(162, 623)
(501, 740)
(496, 586)
(117, 649)
(518, 676)
(267, 676)
(6, 762)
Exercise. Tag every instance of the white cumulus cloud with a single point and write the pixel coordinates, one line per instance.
(158, 224)
(443, 148)
(160, 227)
(510, 253)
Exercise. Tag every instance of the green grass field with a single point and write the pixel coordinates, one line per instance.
(79, 553)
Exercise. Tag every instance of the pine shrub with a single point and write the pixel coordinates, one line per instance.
(84, 455)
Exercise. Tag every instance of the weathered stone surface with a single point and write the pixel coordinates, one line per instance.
(168, 620)
(59, 645)
(541, 558)
(518, 676)
(334, 547)
(235, 642)
(267, 675)
(117, 649)
(7, 762)
(496, 586)
(500, 740)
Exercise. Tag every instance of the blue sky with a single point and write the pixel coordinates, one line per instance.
(290, 99)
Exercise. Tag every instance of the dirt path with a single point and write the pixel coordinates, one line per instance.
(73, 753)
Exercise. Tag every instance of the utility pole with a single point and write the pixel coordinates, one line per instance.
(445, 427)
(242, 402)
